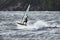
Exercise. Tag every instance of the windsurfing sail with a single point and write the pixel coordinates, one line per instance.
(27, 10)
(25, 17)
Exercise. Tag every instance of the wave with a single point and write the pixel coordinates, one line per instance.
(35, 26)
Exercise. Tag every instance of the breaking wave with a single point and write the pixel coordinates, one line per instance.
(34, 26)
(37, 25)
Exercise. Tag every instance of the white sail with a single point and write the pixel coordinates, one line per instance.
(25, 15)
(27, 10)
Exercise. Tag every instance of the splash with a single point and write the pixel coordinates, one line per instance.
(35, 26)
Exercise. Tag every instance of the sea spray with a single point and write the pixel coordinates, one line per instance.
(38, 24)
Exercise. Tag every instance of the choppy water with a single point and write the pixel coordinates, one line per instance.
(41, 26)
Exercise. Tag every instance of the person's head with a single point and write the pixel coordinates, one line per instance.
(27, 16)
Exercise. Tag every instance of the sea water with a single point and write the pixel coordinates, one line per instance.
(42, 25)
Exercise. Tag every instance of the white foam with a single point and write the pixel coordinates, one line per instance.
(41, 23)
(34, 26)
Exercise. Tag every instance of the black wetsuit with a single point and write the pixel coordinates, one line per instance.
(26, 20)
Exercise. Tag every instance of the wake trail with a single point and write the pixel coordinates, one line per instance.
(37, 25)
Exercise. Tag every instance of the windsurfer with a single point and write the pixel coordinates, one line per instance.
(25, 20)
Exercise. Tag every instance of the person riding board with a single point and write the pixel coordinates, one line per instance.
(25, 20)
